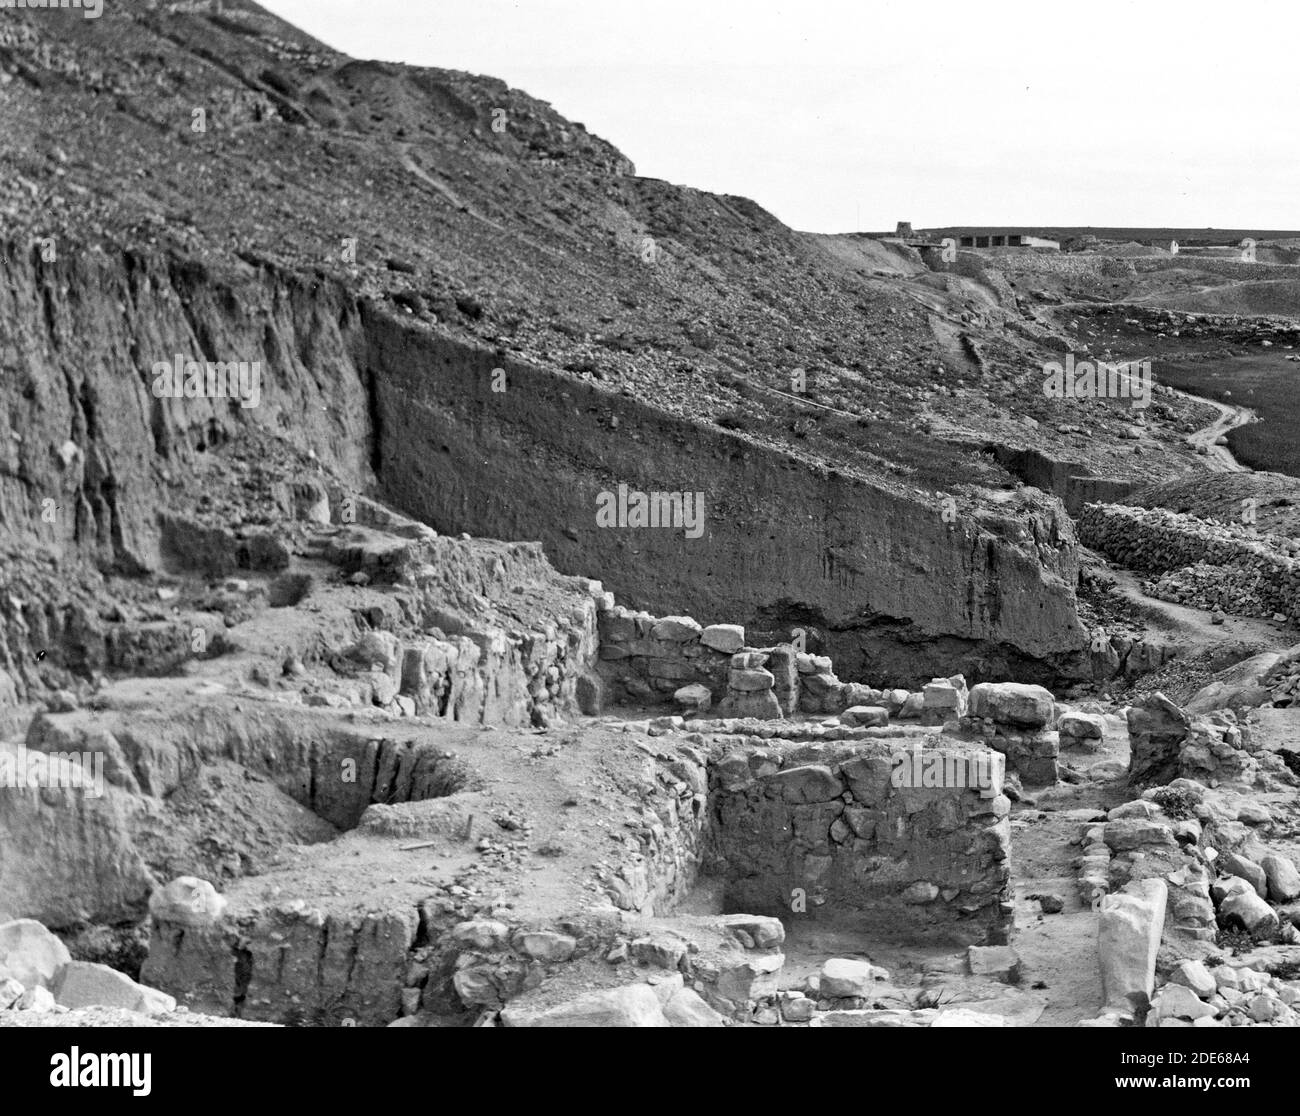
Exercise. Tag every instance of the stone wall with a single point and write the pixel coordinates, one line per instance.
(1153, 540)
(1100, 264)
(711, 669)
(1017, 721)
(1245, 328)
(1061, 263)
(825, 832)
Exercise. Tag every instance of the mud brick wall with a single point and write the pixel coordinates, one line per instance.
(827, 823)
(478, 663)
(1072, 481)
(1156, 541)
(462, 457)
(653, 879)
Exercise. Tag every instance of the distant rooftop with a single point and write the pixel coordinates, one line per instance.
(1065, 232)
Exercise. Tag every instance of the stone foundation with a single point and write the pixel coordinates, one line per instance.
(648, 659)
(1016, 720)
(834, 831)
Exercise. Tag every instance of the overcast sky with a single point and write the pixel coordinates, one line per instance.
(845, 114)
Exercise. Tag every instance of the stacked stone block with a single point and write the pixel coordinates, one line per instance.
(1016, 719)
(840, 831)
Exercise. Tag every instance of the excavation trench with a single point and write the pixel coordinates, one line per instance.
(210, 791)
(818, 836)
(233, 797)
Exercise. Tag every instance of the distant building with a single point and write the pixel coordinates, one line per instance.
(1006, 240)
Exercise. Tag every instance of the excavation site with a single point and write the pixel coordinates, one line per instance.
(449, 580)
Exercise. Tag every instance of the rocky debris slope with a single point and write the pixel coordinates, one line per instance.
(634, 318)
(1168, 743)
(1197, 878)
(1274, 499)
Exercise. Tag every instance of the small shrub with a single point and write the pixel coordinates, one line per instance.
(733, 420)
(1234, 941)
(1177, 803)
(1287, 970)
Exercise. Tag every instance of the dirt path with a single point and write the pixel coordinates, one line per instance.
(1193, 627)
(1058, 952)
(1220, 457)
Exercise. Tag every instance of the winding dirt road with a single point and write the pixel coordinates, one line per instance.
(1220, 457)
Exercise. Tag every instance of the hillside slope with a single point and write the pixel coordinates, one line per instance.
(204, 181)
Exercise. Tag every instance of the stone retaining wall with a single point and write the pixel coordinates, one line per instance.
(644, 658)
(1153, 540)
(827, 831)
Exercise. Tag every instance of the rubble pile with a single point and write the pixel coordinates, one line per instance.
(1225, 589)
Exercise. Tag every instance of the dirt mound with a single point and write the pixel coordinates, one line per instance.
(1272, 498)
(1277, 297)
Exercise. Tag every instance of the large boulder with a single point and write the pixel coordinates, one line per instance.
(750, 681)
(1129, 928)
(801, 785)
(1244, 910)
(85, 984)
(945, 698)
(187, 901)
(1013, 703)
(687, 1008)
(1081, 726)
(1156, 730)
(844, 976)
(727, 638)
(1179, 1002)
(1234, 864)
(1239, 687)
(695, 698)
(865, 716)
(1282, 878)
(755, 931)
(761, 705)
(741, 981)
(1194, 975)
(1127, 834)
(676, 629)
(633, 1005)
(31, 954)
